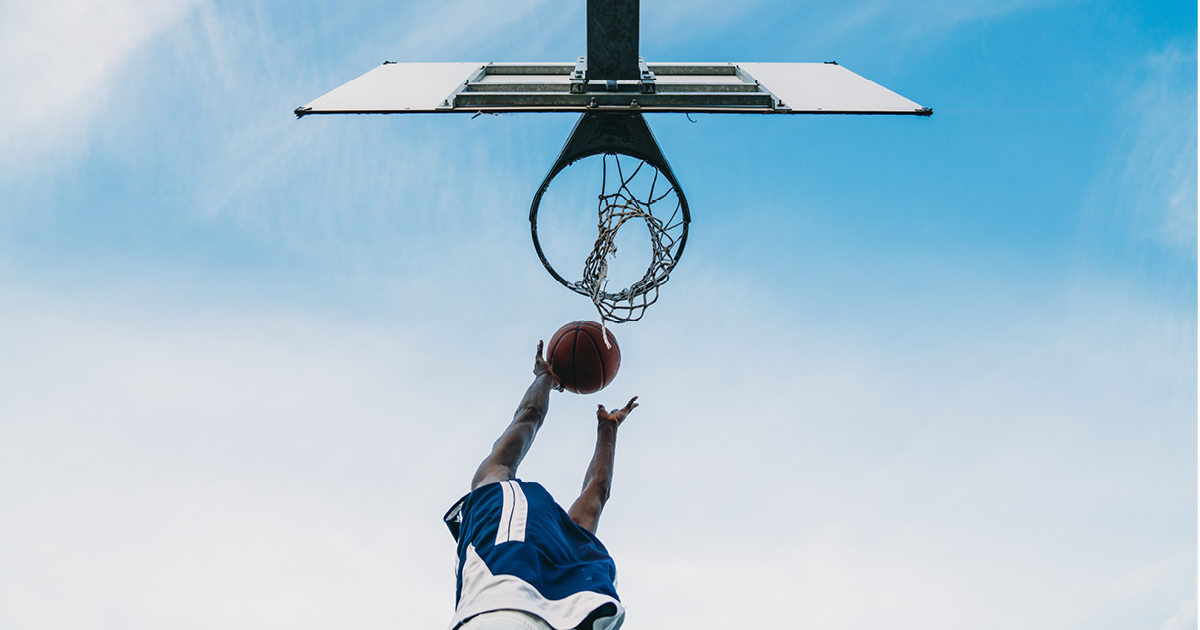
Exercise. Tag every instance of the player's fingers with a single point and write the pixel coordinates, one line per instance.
(539, 350)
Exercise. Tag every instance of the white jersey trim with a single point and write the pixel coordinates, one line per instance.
(483, 592)
(514, 514)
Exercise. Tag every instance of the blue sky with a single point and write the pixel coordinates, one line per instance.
(934, 373)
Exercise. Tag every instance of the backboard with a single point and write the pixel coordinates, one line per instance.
(762, 88)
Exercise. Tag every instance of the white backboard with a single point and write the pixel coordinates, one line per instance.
(772, 88)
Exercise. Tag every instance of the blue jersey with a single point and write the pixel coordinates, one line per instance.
(518, 550)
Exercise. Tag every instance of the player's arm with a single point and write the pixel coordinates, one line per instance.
(514, 443)
(598, 481)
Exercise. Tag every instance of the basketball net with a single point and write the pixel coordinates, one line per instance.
(615, 210)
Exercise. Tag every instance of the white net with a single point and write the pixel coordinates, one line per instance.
(633, 190)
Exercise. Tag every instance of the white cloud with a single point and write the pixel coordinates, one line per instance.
(827, 581)
(57, 64)
(469, 30)
(167, 476)
(936, 19)
(1185, 615)
(925, 577)
(1153, 180)
(203, 554)
(1141, 207)
(818, 26)
(236, 467)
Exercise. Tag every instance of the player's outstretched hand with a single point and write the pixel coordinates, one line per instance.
(616, 416)
(541, 366)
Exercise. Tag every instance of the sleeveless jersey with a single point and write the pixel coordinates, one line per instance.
(518, 550)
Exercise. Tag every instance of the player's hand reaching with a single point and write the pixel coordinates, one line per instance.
(617, 416)
(541, 366)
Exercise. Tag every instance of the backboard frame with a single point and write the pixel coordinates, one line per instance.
(725, 88)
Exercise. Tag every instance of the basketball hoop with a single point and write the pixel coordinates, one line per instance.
(657, 201)
(611, 87)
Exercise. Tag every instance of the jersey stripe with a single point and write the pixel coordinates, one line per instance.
(513, 515)
(505, 513)
(516, 531)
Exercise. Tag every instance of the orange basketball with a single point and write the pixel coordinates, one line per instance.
(579, 358)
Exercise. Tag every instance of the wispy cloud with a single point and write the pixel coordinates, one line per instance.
(1152, 181)
(469, 30)
(814, 26)
(57, 64)
(1184, 617)
(935, 19)
(1138, 220)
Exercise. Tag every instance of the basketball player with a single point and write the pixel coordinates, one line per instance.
(524, 563)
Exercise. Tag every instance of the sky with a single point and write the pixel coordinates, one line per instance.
(910, 372)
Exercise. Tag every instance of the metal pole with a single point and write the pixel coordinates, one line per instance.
(612, 40)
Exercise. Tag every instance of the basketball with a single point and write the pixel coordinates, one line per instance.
(579, 358)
